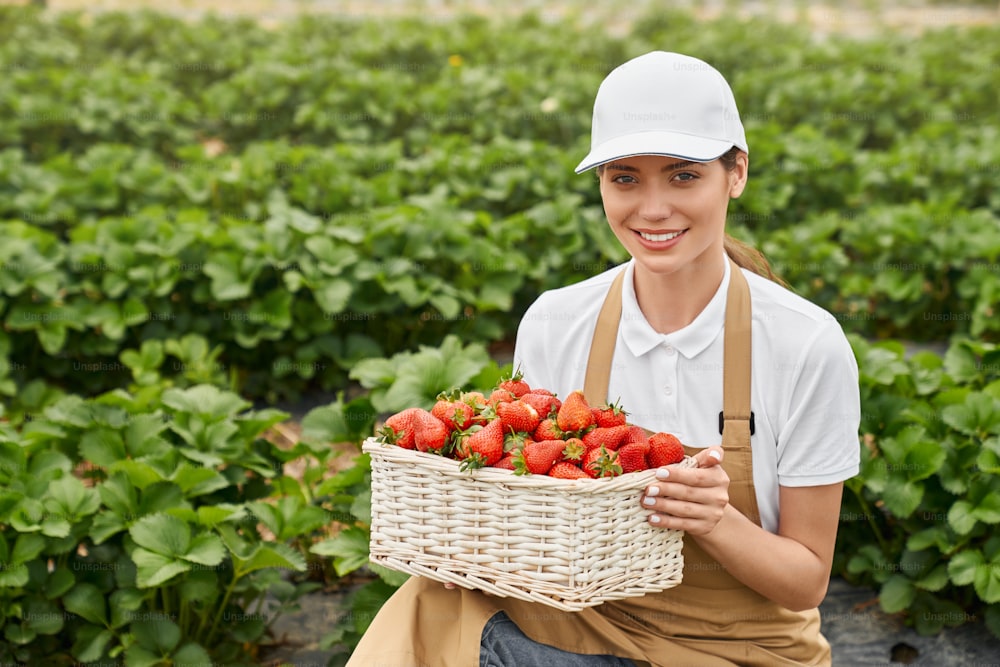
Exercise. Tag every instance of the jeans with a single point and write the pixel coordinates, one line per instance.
(504, 645)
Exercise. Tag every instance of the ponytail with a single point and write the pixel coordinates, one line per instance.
(748, 257)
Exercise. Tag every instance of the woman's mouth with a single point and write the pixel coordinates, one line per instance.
(665, 236)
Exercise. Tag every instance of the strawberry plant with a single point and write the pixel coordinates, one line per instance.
(918, 523)
(129, 526)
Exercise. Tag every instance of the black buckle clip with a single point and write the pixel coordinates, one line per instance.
(722, 423)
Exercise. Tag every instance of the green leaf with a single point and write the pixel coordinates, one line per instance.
(58, 583)
(159, 634)
(70, 498)
(192, 655)
(162, 533)
(962, 566)
(43, 616)
(26, 547)
(124, 602)
(153, 569)
(896, 594)
(205, 400)
(272, 555)
(19, 634)
(205, 549)
(87, 601)
(102, 447)
(90, 643)
(977, 416)
(349, 549)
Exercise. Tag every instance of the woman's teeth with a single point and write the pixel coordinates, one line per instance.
(660, 237)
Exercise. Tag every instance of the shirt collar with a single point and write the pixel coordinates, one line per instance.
(691, 340)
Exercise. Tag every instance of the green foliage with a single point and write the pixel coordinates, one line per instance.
(335, 190)
(919, 522)
(132, 525)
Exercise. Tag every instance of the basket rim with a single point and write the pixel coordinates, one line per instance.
(448, 466)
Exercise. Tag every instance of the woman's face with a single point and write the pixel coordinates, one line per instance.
(670, 214)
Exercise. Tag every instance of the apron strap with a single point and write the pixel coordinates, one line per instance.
(602, 348)
(735, 418)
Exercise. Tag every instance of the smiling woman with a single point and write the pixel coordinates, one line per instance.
(706, 347)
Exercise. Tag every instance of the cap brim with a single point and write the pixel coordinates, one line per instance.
(669, 144)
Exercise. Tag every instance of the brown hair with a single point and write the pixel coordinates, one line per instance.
(745, 255)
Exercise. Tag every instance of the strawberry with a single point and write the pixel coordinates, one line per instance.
(507, 462)
(456, 415)
(481, 447)
(537, 458)
(515, 385)
(548, 430)
(544, 404)
(399, 428)
(610, 415)
(574, 449)
(498, 396)
(518, 416)
(599, 462)
(664, 449)
(632, 457)
(431, 433)
(635, 434)
(574, 414)
(566, 470)
(474, 399)
(609, 436)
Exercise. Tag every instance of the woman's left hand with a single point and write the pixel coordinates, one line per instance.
(689, 499)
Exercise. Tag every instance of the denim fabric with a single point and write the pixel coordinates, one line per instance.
(504, 645)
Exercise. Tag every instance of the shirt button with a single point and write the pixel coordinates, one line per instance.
(668, 390)
(669, 348)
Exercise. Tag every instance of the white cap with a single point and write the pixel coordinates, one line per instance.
(664, 104)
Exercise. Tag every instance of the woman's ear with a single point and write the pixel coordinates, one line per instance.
(738, 175)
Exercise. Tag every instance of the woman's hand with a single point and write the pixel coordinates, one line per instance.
(689, 499)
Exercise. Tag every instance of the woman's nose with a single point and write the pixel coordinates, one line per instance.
(655, 204)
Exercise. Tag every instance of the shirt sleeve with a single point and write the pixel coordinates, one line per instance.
(818, 442)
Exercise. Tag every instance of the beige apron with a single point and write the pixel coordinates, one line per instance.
(710, 620)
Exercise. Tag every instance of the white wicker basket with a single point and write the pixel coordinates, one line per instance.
(569, 544)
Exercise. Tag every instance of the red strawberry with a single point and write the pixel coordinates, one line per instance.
(518, 416)
(537, 458)
(574, 414)
(548, 430)
(515, 385)
(635, 434)
(431, 433)
(610, 437)
(482, 447)
(574, 449)
(507, 462)
(664, 449)
(498, 396)
(566, 470)
(474, 399)
(399, 428)
(610, 415)
(632, 457)
(456, 415)
(544, 404)
(599, 462)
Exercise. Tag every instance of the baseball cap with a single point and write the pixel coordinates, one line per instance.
(664, 103)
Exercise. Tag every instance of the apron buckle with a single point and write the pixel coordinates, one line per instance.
(722, 423)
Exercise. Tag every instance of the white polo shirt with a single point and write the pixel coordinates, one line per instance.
(804, 385)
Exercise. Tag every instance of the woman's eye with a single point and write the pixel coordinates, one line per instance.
(624, 178)
(686, 176)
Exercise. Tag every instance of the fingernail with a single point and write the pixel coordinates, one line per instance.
(662, 473)
(649, 501)
(654, 519)
(653, 491)
(715, 455)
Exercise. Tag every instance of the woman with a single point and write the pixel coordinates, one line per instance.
(694, 341)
